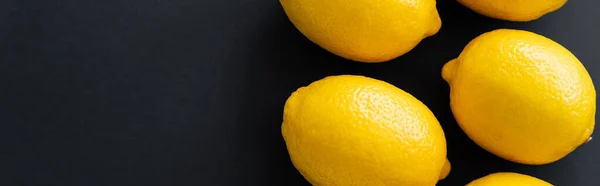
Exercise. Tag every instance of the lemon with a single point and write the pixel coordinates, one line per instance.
(354, 130)
(521, 96)
(514, 10)
(364, 30)
(508, 179)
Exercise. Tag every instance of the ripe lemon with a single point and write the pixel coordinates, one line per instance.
(364, 30)
(353, 130)
(514, 10)
(521, 96)
(508, 179)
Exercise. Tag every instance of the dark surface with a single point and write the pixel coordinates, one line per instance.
(191, 92)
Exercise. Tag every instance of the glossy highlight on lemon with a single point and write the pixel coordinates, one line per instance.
(521, 96)
(364, 30)
(508, 179)
(514, 10)
(354, 130)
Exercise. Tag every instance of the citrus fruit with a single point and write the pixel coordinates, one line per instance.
(508, 179)
(521, 96)
(354, 130)
(364, 30)
(513, 10)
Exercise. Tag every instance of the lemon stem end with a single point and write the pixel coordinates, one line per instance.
(449, 69)
(445, 170)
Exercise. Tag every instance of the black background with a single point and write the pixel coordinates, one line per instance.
(191, 92)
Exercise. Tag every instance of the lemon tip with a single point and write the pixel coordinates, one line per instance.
(448, 70)
(445, 170)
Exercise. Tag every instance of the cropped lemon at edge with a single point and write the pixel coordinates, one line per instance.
(354, 130)
(521, 96)
(514, 10)
(364, 30)
(508, 179)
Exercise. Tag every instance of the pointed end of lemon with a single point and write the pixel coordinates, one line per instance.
(449, 69)
(436, 24)
(291, 104)
(445, 170)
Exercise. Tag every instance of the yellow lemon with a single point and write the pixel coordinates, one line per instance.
(521, 96)
(508, 179)
(364, 30)
(513, 10)
(354, 130)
